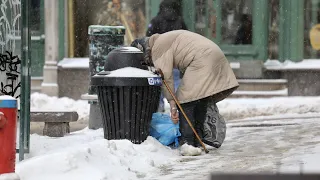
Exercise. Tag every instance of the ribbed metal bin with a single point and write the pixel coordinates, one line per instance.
(127, 105)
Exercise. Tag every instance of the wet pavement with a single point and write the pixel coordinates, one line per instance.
(255, 146)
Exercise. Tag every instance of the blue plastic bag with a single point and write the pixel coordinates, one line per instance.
(164, 130)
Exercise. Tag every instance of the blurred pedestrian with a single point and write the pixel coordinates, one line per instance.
(244, 33)
(168, 18)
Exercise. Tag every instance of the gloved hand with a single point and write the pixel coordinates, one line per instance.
(159, 72)
(174, 112)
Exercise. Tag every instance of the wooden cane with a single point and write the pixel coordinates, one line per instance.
(184, 114)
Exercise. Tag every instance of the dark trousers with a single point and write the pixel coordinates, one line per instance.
(196, 112)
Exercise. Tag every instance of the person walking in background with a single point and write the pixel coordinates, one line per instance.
(168, 18)
(244, 33)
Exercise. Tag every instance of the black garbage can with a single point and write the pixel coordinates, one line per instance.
(128, 94)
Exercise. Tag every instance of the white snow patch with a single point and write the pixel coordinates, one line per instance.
(282, 92)
(49, 84)
(9, 176)
(131, 72)
(6, 97)
(86, 155)
(42, 102)
(131, 49)
(74, 63)
(188, 150)
(240, 108)
(272, 63)
(289, 65)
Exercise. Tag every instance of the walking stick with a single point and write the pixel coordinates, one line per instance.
(184, 114)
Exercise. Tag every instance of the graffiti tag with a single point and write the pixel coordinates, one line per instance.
(9, 65)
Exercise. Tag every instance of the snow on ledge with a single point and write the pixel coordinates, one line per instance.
(282, 92)
(74, 63)
(235, 65)
(306, 64)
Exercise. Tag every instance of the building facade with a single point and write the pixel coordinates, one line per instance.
(248, 31)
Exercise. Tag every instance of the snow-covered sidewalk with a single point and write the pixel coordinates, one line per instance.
(250, 146)
(271, 146)
(272, 134)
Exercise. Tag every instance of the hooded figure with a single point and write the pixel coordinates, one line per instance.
(244, 34)
(207, 79)
(168, 18)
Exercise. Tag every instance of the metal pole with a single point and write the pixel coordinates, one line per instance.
(71, 28)
(24, 136)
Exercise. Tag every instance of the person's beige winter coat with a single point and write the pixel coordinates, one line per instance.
(206, 71)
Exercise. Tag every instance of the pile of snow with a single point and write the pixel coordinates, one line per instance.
(86, 155)
(131, 72)
(187, 150)
(42, 102)
(245, 107)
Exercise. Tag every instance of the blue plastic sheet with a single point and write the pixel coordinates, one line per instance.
(164, 130)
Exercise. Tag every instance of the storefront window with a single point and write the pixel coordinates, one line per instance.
(236, 18)
(311, 18)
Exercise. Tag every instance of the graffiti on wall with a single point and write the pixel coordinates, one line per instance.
(10, 63)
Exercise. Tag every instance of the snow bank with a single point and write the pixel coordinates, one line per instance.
(42, 102)
(231, 109)
(86, 155)
(244, 107)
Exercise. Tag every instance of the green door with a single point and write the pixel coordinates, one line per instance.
(239, 27)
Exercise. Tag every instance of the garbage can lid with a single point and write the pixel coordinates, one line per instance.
(106, 30)
(124, 57)
(128, 76)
